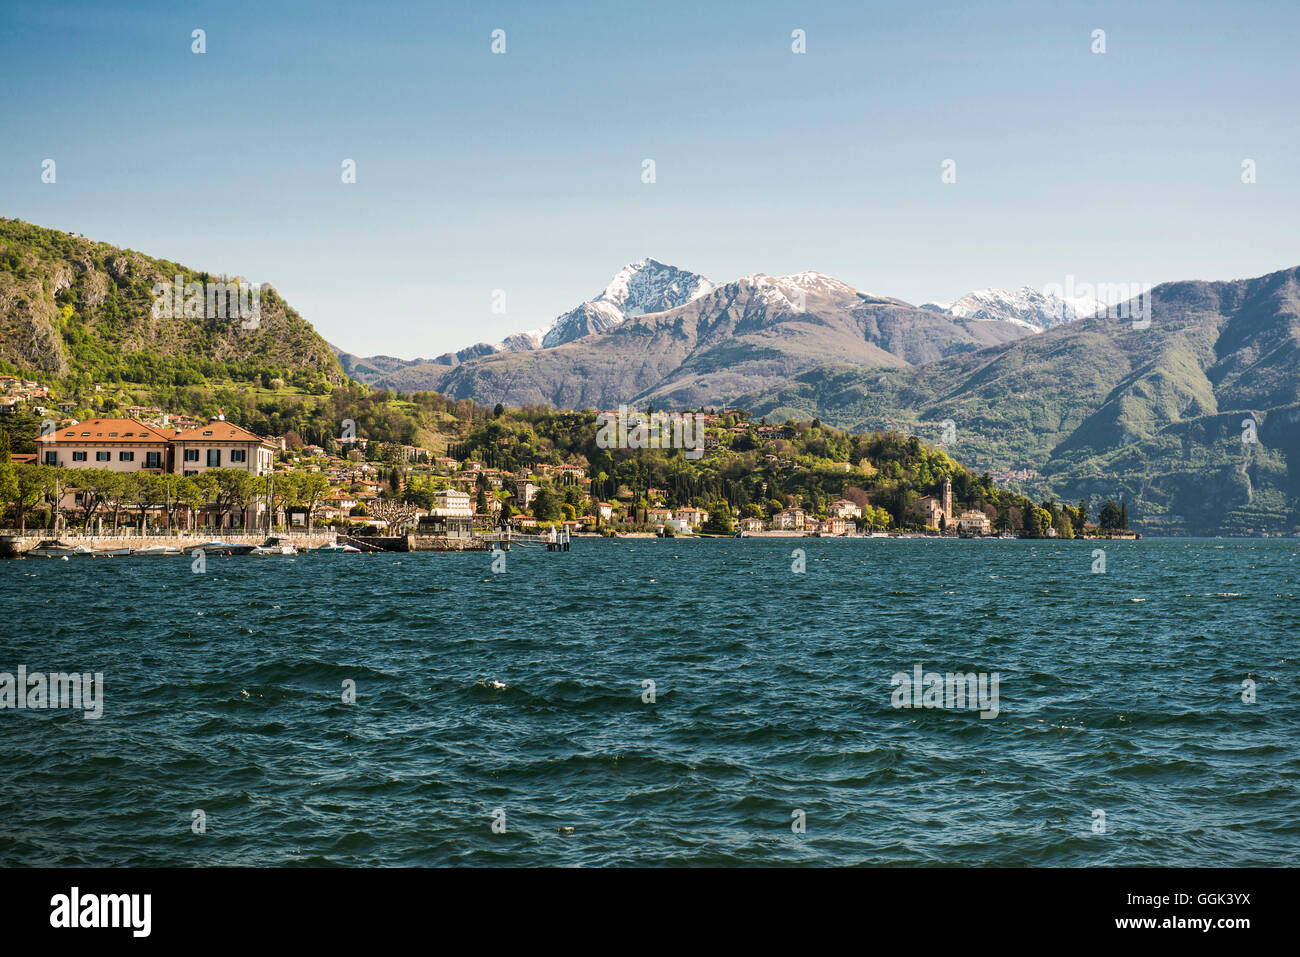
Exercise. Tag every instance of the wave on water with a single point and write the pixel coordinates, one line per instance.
(622, 703)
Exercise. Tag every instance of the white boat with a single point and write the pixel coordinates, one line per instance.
(334, 547)
(157, 550)
(112, 552)
(274, 546)
(53, 548)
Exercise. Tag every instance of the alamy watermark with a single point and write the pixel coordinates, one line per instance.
(212, 300)
(53, 690)
(651, 430)
(129, 911)
(1114, 300)
(953, 691)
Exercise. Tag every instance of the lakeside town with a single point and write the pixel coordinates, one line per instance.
(147, 471)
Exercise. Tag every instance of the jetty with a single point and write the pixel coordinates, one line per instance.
(422, 541)
(505, 539)
(414, 542)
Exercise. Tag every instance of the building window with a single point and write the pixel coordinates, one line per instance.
(153, 460)
(191, 455)
(78, 456)
(103, 456)
(238, 455)
(51, 458)
(191, 471)
(126, 456)
(214, 458)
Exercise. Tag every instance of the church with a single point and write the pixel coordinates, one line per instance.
(937, 512)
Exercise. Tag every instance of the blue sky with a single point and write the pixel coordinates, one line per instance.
(522, 171)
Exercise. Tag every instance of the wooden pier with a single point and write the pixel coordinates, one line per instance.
(524, 540)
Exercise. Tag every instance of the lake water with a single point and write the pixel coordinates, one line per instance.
(519, 697)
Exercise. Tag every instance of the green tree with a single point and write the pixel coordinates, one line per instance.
(8, 485)
(547, 506)
(99, 489)
(137, 492)
(205, 487)
(235, 490)
(1036, 522)
(312, 489)
(284, 490)
(32, 484)
(173, 493)
(720, 522)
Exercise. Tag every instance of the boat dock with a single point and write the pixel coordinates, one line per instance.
(505, 539)
(453, 542)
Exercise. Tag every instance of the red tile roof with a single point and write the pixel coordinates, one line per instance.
(115, 431)
(216, 432)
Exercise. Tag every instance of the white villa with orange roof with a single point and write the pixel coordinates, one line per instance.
(119, 445)
(844, 508)
(221, 445)
(128, 445)
(694, 517)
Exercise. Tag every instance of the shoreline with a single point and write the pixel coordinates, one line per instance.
(880, 537)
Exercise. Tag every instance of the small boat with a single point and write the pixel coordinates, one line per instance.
(333, 547)
(112, 552)
(275, 546)
(53, 548)
(218, 547)
(157, 550)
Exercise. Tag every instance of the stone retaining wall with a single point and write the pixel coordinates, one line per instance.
(104, 542)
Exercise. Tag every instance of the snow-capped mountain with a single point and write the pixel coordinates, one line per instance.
(1026, 306)
(743, 337)
(637, 289)
(792, 291)
(522, 341)
(797, 308)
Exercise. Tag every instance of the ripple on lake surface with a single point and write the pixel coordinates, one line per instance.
(1119, 692)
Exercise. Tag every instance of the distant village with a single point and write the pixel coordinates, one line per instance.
(353, 486)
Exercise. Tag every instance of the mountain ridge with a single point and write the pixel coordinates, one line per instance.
(721, 342)
(1156, 413)
(72, 305)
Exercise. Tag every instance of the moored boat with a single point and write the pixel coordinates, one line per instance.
(275, 546)
(112, 552)
(157, 550)
(53, 548)
(218, 547)
(331, 548)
